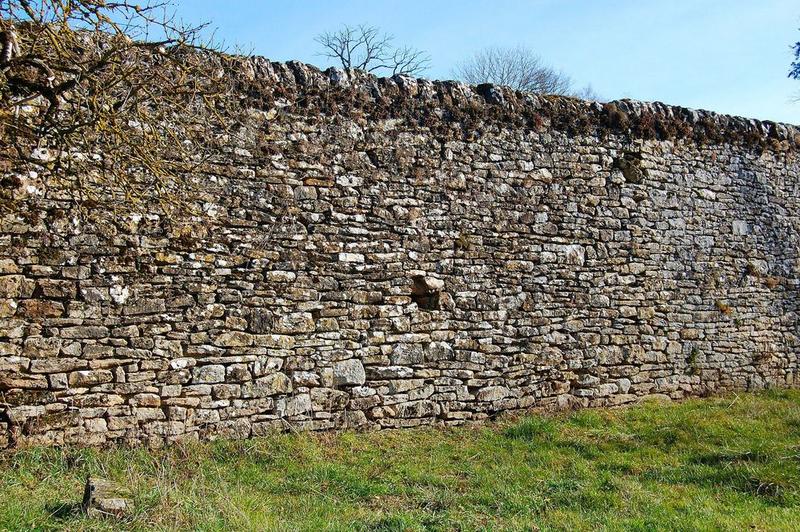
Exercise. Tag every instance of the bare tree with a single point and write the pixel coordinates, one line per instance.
(588, 93)
(103, 99)
(367, 48)
(518, 68)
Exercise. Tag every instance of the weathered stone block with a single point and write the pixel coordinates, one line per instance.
(8, 307)
(274, 384)
(406, 355)
(208, 374)
(349, 373)
(148, 400)
(493, 393)
(40, 309)
(57, 365)
(238, 373)
(261, 320)
(295, 323)
(95, 331)
(88, 378)
(145, 306)
(294, 406)
(328, 400)
(351, 257)
(233, 339)
(39, 347)
(389, 372)
(15, 286)
(275, 341)
(104, 498)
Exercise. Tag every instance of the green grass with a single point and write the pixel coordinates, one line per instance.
(730, 463)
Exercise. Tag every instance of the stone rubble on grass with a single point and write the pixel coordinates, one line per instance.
(103, 498)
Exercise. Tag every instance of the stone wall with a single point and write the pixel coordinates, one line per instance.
(398, 252)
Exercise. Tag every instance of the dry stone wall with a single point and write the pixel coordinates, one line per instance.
(393, 253)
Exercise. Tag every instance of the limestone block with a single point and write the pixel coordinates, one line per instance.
(274, 384)
(104, 498)
(349, 373)
(233, 339)
(295, 323)
(493, 393)
(208, 374)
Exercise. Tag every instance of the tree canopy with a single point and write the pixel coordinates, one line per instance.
(367, 48)
(519, 68)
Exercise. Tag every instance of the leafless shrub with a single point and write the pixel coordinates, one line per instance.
(109, 100)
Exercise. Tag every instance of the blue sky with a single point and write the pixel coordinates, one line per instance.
(730, 56)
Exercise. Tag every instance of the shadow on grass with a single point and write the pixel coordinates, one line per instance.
(64, 511)
(727, 458)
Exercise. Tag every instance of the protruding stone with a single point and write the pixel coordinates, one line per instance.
(349, 373)
(493, 393)
(433, 284)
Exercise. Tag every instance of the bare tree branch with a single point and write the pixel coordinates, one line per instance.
(366, 48)
(79, 74)
(588, 93)
(408, 60)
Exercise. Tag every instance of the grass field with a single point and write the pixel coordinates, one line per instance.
(730, 463)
